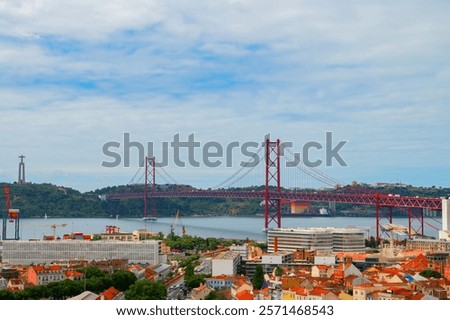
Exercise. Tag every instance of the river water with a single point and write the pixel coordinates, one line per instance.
(219, 227)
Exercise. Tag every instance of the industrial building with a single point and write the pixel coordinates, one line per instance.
(45, 252)
(319, 239)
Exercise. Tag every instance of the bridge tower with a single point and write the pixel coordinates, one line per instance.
(272, 201)
(150, 172)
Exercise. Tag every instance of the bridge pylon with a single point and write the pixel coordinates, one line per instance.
(150, 178)
(272, 205)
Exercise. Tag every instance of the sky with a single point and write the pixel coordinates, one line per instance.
(75, 75)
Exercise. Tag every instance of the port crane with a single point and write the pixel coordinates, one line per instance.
(174, 224)
(12, 215)
(54, 226)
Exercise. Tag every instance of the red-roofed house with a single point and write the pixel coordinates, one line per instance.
(322, 271)
(319, 293)
(417, 264)
(74, 275)
(363, 291)
(239, 286)
(447, 272)
(40, 275)
(346, 269)
(200, 293)
(263, 294)
(244, 295)
(15, 285)
(110, 294)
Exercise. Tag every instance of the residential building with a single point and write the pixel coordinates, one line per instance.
(346, 269)
(322, 271)
(15, 285)
(200, 293)
(41, 275)
(363, 291)
(430, 245)
(111, 294)
(219, 282)
(239, 286)
(319, 293)
(242, 249)
(226, 263)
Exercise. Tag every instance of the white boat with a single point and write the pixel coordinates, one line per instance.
(150, 218)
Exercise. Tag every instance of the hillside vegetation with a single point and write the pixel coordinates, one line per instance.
(37, 200)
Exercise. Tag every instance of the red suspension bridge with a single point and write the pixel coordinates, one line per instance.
(274, 195)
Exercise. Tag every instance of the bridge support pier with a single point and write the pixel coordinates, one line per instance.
(415, 221)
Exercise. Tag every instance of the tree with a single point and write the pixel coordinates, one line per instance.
(96, 237)
(278, 271)
(37, 292)
(431, 274)
(6, 295)
(189, 271)
(92, 272)
(216, 295)
(258, 278)
(122, 280)
(146, 290)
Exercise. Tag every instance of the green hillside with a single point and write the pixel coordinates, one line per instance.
(37, 200)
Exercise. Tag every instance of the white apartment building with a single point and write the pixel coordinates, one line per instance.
(226, 263)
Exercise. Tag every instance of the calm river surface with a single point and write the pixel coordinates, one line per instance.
(226, 227)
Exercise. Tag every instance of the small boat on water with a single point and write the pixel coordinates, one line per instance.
(150, 218)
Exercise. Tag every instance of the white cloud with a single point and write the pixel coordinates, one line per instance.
(78, 73)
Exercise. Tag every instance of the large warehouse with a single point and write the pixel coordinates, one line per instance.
(37, 252)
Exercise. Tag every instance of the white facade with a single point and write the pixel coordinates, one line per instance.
(3, 283)
(243, 250)
(276, 258)
(329, 260)
(320, 239)
(226, 263)
(444, 234)
(44, 252)
(348, 240)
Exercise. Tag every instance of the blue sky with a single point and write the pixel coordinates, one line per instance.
(77, 74)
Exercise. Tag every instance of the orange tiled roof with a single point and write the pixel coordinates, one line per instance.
(244, 295)
(73, 273)
(109, 294)
(418, 296)
(16, 282)
(54, 267)
(299, 291)
(318, 291)
(322, 267)
(135, 267)
(39, 268)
